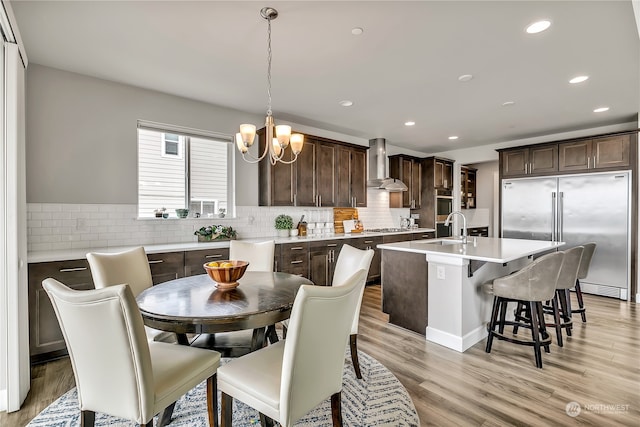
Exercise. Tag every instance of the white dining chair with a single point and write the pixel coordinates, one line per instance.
(117, 370)
(260, 255)
(286, 380)
(130, 267)
(350, 259)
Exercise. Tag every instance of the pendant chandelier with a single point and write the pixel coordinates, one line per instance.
(277, 138)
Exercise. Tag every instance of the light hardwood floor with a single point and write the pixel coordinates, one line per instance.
(599, 368)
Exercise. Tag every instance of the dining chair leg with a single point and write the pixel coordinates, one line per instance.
(212, 400)
(266, 421)
(87, 418)
(336, 409)
(226, 410)
(543, 329)
(165, 416)
(580, 308)
(353, 347)
(503, 314)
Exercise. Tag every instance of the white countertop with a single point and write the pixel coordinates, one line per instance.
(490, 249)
(80, 253)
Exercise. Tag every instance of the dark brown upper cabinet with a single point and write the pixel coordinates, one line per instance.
(408, 170)
(327, 173)
(529, 160)
(597, 153)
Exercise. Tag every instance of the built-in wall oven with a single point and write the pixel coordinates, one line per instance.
(444, 206)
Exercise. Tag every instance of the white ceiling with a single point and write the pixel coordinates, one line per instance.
(405, 66)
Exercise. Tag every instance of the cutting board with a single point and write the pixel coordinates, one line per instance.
(341, 214)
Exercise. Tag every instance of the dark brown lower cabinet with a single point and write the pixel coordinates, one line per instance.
(293, 258)
(477, 231)
(322, 260)
(404, 290)
(166, 266)
(194, 260)
(46, 341)
(370, 243)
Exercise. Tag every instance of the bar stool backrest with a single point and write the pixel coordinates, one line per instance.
(535, 282)
(569, 270)
(585, 262)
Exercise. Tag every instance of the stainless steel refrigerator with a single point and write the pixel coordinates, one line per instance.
(577, 209)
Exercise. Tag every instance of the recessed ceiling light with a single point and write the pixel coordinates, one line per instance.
(578, 79)
(346, 103)
(538, 27)
(409, 123)
(601, 109)
(508, 103)
(453, 137)
(357, 31)
(465, 77)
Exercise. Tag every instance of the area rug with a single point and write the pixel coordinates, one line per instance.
(378, 399)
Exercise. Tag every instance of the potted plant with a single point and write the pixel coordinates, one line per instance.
(215, 232)
(284, 223)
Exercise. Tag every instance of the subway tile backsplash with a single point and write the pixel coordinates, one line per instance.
(52, 226)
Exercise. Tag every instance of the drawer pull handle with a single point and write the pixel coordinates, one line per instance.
(157, 261)
(368, 241)
(71, 270)
(214, 256)
(298, 261)
(332, 245)
(297, 248)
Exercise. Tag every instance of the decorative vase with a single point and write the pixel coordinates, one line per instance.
(204, 238)
(283, 232)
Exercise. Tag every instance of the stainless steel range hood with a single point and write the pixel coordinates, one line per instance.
(378, 168)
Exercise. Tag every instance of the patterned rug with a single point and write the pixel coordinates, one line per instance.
(378, 399)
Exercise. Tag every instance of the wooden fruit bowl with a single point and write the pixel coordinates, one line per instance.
(226, 276)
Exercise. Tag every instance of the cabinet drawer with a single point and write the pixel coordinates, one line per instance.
(166, 266)
(477, 231)
(394, 238)
(426, 235)
(193, 260)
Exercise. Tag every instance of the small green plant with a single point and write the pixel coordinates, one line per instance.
(216, 232)
(284, 222)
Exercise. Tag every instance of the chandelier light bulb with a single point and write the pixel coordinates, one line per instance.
(248, 133)
(283, 133)
(297, 141)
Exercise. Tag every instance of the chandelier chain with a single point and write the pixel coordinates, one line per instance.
(269, 112)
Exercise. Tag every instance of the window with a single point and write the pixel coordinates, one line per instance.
(171, 145)
(179, 167)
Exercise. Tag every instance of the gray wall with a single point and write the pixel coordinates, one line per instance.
(82, 137)
(486, 191)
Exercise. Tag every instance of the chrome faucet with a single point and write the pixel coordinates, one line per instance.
(464, 224)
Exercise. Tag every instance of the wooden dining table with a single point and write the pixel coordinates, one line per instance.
(193, 305)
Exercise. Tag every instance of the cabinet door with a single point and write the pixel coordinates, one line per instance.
(424, 235)
(326, 174)
(282, 180)
(319, 266)
(359, 177)
(45, 336)
(438, 174)
(447, 176)
(343, 177)
(405, 176)
(305, 180)
(194, 260)
(166, 266)
(612, 152)
(574, 156)
(514, 162)
(416, 184)
(543, 159)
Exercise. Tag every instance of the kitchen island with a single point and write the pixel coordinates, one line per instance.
(433, 287)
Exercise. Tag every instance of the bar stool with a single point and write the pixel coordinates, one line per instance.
(566, 280)
(583, 271)
(531, 285)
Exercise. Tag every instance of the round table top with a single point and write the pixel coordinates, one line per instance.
(194, 304)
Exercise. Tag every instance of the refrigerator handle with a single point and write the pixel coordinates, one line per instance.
(560, 215)
(554, 227)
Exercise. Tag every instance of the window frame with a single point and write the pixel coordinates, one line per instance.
(185, 134)
(180, 142)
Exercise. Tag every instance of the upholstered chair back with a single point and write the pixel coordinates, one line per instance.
(108, 349)
(534, 282)
(350, 260)
(585, 262)
(130, 267)
(258, 254)
(316, 343)
(569, 270)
